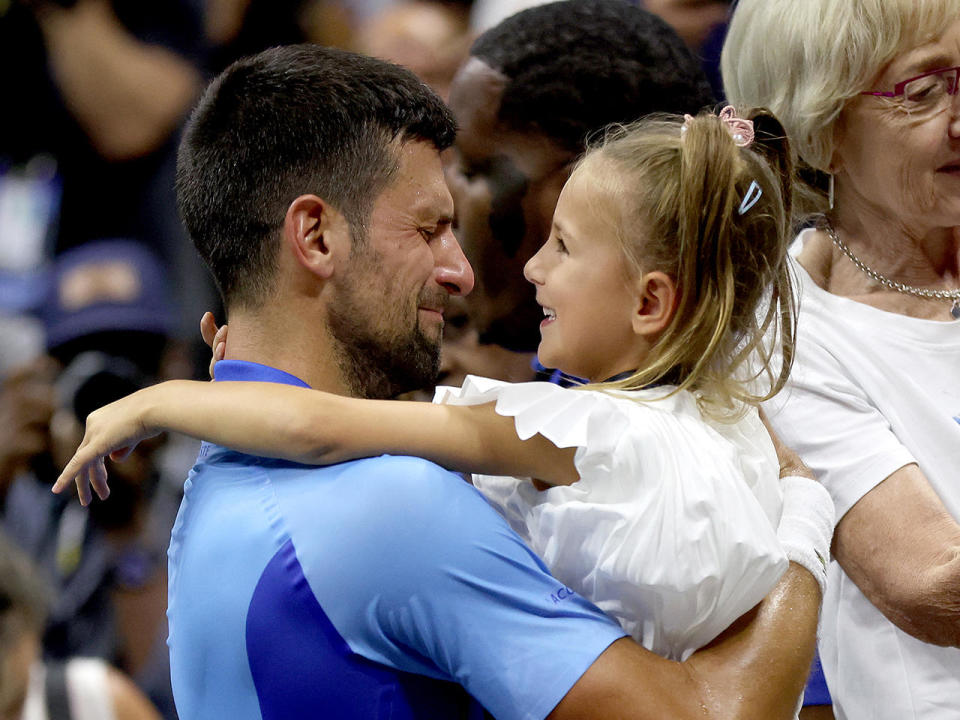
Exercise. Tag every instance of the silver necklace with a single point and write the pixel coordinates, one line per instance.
(953, 295)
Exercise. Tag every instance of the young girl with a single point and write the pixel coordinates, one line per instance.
(664, 284)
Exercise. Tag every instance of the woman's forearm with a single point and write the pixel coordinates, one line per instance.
(908, 566)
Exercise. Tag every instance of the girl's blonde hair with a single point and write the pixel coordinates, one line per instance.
(805, 60)
(684, 188)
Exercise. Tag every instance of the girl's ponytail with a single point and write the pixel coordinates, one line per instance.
(712, 208)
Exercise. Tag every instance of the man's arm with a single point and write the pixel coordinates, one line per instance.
(756, 669)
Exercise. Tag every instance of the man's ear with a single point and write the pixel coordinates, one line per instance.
(657, 298)
(317, 234)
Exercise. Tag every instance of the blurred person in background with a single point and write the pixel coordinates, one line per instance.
(237, 28)
(702, 24)
(94, 92)
(108, 318)
(82, 688)
(868, 92)
(429, 37)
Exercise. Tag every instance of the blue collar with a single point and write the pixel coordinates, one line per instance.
(254, 372)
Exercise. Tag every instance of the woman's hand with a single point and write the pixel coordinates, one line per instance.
(114, 430)
(215, 338)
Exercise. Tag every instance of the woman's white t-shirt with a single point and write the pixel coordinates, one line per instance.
(870, 392)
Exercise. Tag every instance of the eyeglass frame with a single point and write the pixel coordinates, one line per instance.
(900, 87)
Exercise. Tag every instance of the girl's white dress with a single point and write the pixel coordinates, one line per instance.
(672, 527)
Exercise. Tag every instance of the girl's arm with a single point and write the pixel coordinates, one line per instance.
(312, 427)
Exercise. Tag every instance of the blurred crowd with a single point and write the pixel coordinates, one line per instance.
(101, 290)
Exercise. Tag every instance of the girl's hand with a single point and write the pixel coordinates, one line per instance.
(215, 338)
(790, 463)
(114, 430)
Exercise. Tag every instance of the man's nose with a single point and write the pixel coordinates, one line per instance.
(453, 268)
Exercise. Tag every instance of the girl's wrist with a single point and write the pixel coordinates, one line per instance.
(153, 404)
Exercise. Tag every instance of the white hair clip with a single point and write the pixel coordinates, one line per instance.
(754, 192)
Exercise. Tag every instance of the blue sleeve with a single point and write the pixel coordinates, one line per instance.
(430, 579)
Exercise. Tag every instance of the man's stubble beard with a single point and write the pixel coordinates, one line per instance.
(380, 360)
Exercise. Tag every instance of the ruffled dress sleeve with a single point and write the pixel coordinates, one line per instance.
(671, 528)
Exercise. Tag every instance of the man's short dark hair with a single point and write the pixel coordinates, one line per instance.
(575, 67)
(289, 121)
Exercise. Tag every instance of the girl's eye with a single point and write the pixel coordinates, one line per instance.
(561, 246)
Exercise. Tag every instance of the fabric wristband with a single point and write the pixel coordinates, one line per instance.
(806, 525)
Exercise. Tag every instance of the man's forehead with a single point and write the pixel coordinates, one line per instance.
(419, 185)
(432, 204)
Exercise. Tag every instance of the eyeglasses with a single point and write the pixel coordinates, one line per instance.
(927, 92)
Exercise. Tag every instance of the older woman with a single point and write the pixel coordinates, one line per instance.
(868, 91)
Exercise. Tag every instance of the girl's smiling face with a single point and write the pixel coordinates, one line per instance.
(585, 286)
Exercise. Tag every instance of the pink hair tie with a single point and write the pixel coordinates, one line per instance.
(741, 129)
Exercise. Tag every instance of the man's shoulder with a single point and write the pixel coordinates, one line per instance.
(392, 493)
(414, 488)
(411, 473)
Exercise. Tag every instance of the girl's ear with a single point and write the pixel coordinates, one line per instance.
(317, 234)
(657, 298)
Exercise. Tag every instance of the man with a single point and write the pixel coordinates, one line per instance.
(533, 91)
(311, 182)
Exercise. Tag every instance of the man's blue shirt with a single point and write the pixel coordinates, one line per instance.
(378, 588)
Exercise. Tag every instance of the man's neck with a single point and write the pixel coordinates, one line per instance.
(286, 346)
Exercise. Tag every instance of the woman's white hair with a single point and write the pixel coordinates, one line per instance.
(804, 60)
